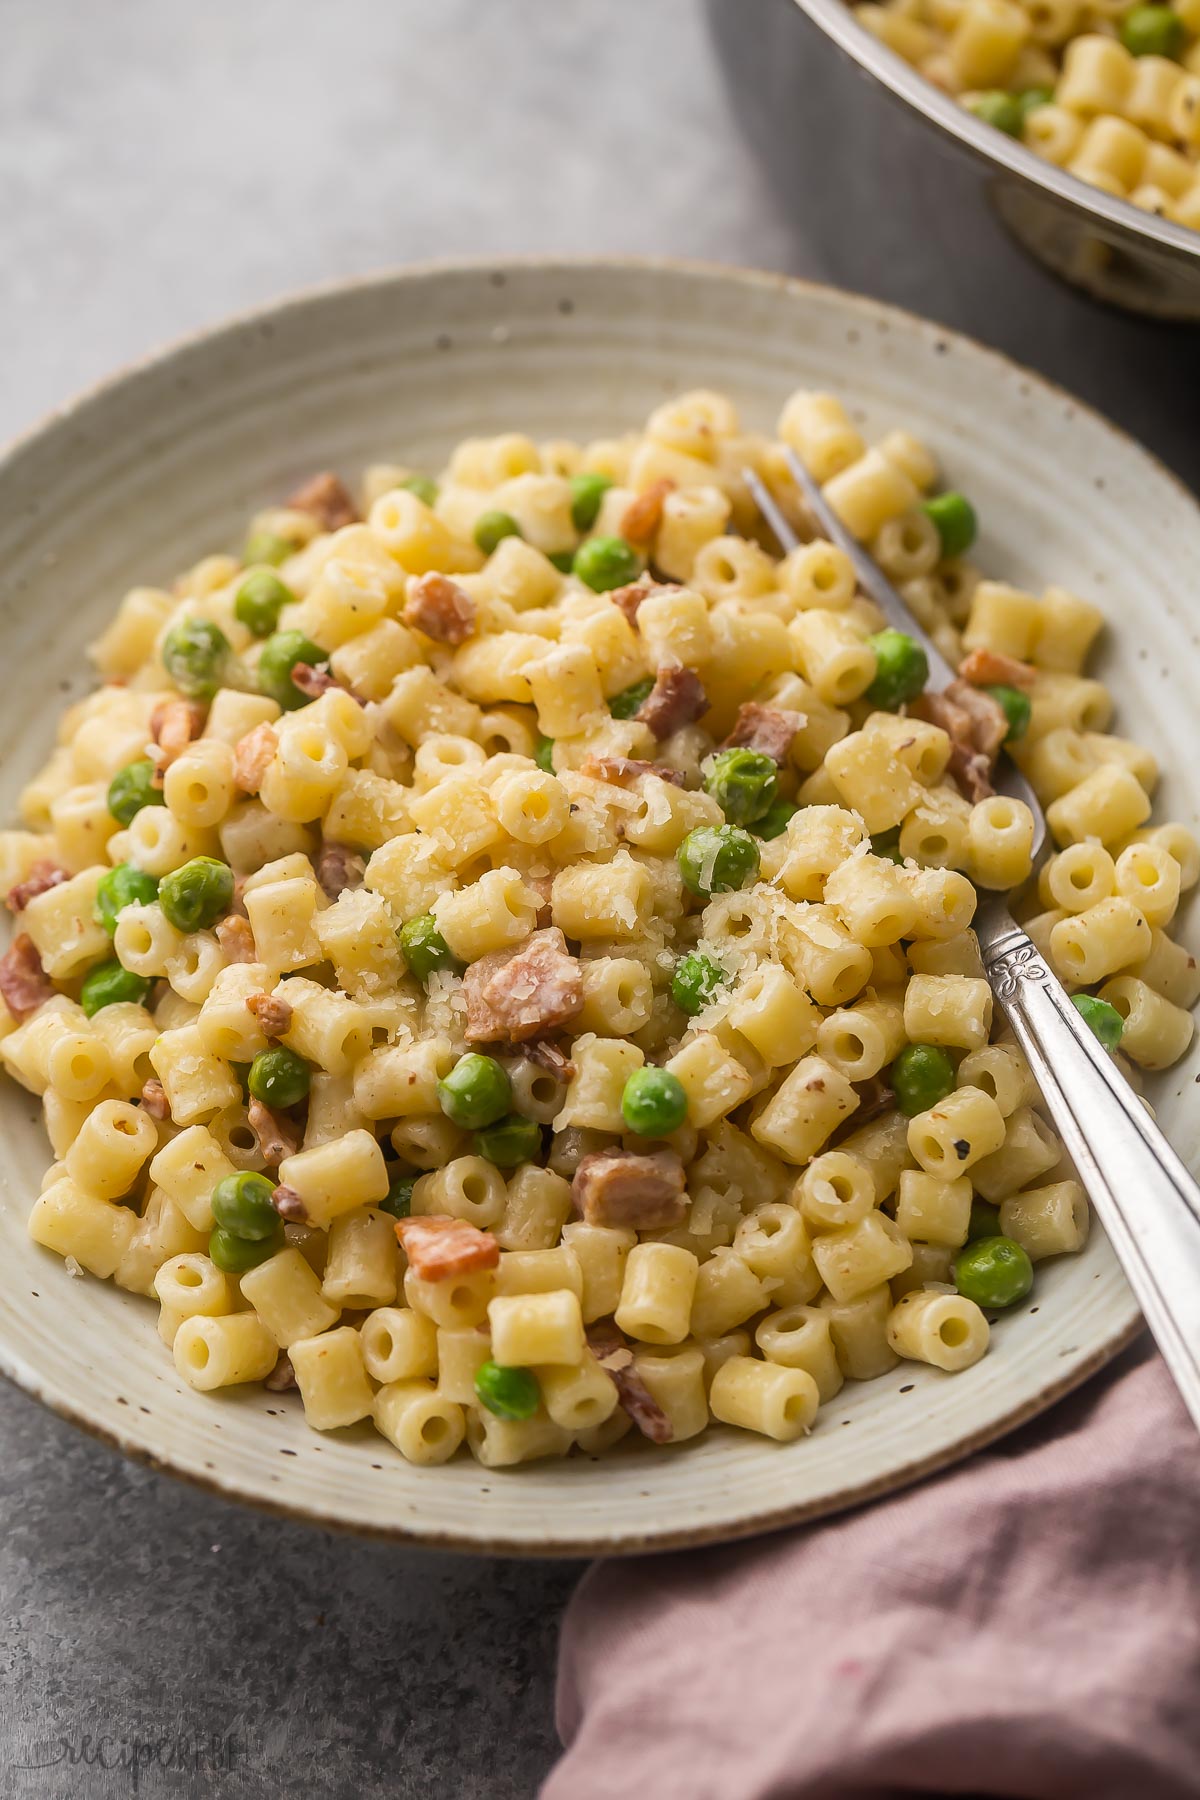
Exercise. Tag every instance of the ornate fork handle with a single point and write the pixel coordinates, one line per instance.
(1146, 1199)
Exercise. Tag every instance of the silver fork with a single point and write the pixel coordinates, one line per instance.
(1147, 1200)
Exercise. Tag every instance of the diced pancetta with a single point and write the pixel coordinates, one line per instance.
(24, 984)
(327, 499)
(515, 995)
(767, 729)
(339, 868)
(274, 1015)
(612, 1352)
(440, 1248)
(676, 699)
(253, 756)
(41, 878)
(631, 1191)
(439, 608)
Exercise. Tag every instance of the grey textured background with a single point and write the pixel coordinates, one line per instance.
(161, 165)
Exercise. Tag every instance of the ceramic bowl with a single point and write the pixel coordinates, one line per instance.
(165, 462)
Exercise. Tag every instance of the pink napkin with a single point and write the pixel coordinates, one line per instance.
(1026, 1625)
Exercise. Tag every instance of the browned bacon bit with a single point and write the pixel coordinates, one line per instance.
(615, 1357)
(154, 1099)
(339, 868)
(630, 597)
(515, 995)
(326, 498)
(253, 756)
(236, 938)
(986, 668)
(440, 608)
(278, 1136)
(767, 729)
(976, 726)
(289, 1205)
(624, 770)
(173, 726)
(438, 1248)
(643, 516)
(282, 1376)
(313, 680)
(548, 1056)
(273, 1014)
(623, 1189)
(41, 878)
(23, 983)
(676, 699)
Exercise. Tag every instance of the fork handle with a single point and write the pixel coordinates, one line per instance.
(1148, 1202)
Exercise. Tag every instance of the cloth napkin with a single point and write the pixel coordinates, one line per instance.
(1027, 1624)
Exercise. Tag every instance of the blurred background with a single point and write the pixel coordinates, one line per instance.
(160, 167)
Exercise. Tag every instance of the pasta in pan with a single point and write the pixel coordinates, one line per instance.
(1109, 91)
(496, 956)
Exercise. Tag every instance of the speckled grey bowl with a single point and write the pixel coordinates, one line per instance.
(165, 462)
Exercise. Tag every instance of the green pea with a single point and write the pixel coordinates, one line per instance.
(237, 1255)
(654, 1103)
(424, 948)
(887, 845)
(587, 491)
(775, 820)
(399, 1197)
(984, 1221)
(278, 657)
(509, 1393)
(259, 601)
(629, 702)
(717, 859)
(1016, 708)
(195, 895)
(424, 487)
(901, 669)
(278, 1077)
(267, 547)
(998, 109)
(1153, 31)
(543, 756)
(108, 984)
(121, 887)
(743, 783)
(922, 1075)
(491, 528)
(475, 1093)
(563, 560)
(696, 980)
(993, 1271)
(195, 654)
(242, 1205)
(509, 1141)
(604, 563)
(1029, 99)
(131, 788)
(1103, 1019)
(954, 515)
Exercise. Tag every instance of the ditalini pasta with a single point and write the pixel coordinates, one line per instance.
(1108, 91)
(496, 957)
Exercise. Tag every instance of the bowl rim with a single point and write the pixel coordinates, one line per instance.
(985, 142)
(229, 1487)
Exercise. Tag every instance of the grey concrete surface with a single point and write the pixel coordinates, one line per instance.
(161, 165)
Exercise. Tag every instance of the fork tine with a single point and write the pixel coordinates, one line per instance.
(873, 581)
(871, 577)
(770, 509)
